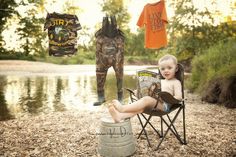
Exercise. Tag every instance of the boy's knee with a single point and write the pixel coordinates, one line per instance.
(142, 110)
(149, 100)
(146, 98)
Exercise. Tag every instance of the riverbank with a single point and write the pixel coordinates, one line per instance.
(210, 131)
(29, 67)
(210, 128)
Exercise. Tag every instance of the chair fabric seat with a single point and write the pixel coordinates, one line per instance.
(161, 113)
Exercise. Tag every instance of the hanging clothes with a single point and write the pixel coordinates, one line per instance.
(109, 53)
(62, 33)
(154, 18)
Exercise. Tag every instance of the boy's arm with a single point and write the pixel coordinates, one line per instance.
(178, 90)
(167, 97)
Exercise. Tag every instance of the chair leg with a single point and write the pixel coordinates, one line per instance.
(143, 130)
(144, 126)
(174, 129)
(184, 125)
(161, 126)
(169, 128)
(148, 121)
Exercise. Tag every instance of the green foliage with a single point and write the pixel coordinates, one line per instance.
(140, 60)
(191, 35)
(117, 8)
(186, 27)
(80, 57)
(17, 56)
(6, 11)
(31, 32)
(219, 61)
(70, 8)
(134, 44)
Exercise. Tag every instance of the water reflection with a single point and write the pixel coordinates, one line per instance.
(32, 95)
(4, 111)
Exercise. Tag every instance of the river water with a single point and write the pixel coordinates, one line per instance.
(40, 93)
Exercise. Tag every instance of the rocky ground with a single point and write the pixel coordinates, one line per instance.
(210, 131)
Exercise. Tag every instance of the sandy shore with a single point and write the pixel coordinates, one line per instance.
(210, 131)
(28, 67)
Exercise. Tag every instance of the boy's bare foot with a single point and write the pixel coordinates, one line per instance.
(114, 114)
(118, 105)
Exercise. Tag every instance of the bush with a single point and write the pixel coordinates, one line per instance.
(215, 67)
(80, 57)
(17, 56)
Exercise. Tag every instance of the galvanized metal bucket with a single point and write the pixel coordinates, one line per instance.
(115, 139)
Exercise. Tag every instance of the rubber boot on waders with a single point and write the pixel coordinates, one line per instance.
(101, 99)
(120, 96)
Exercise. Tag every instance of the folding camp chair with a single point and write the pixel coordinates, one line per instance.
(148, 114)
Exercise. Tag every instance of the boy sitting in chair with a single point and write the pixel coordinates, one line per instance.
(169, 85)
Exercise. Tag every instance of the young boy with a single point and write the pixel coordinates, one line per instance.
(168, 68)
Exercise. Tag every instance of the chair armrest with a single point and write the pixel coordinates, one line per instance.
(132, 94)
(167, 97)
(130, 91)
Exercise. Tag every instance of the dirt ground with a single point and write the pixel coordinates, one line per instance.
(210, 131)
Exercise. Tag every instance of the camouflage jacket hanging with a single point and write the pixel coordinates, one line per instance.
(62, 33)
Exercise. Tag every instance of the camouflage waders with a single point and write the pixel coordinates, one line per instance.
(109, 53)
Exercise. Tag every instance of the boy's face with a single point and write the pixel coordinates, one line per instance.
(167, 68)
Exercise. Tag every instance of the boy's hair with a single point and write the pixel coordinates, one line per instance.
(166, 57)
